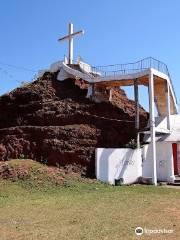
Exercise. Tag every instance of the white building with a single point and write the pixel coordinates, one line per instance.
(130, 166)
(167, 150)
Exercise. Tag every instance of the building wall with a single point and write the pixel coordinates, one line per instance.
(164, 155)
(129, 164)
(115, 163)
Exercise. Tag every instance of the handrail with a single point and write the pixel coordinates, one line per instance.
(134, 67)
(129, 68)
(145, 63)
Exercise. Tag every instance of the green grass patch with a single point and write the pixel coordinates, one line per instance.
(83, 209)
(86, 211)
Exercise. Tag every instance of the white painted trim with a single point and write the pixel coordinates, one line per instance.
(152, 125)
(121, 77)
(77, 73)
(168, 102)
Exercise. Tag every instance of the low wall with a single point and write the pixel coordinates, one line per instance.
(113, 163)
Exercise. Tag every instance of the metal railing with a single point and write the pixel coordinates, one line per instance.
(135, 67)
(128, 68)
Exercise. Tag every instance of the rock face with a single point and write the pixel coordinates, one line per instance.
(54, 122)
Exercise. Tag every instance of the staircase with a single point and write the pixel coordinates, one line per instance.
(176, 181)
(125, 74)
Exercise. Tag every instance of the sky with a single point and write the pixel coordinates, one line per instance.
(116, 31)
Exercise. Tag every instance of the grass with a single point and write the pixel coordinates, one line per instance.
(85, 210)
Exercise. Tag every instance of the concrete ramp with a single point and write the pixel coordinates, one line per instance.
(125, 75)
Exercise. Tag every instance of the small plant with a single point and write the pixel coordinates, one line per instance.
(21, 156)
(43, 160)
(19, 121)
(68, 183)
(131, 144)
(57, 165)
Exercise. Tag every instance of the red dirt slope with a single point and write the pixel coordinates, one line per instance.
(53, 122)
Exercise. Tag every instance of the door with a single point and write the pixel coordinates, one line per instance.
(174, 146)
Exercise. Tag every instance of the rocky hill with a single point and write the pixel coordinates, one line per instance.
(53, 122)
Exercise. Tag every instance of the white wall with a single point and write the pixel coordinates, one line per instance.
(164, 156)
(113, 163)
(56, 66)
(129, 164)
(85, 67)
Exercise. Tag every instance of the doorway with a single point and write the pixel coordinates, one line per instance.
(175, 158)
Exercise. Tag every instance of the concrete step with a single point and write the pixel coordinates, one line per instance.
(177, 179)
(174, 184)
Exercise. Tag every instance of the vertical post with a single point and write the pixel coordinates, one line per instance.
(168, 107)
(136, 97)
(93, 91)
(89, 92)
(110, 94)
(70, 43)
(152, 125)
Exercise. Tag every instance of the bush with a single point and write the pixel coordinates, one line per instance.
(131, 144)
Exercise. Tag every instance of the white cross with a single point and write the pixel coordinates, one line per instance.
(70, 38)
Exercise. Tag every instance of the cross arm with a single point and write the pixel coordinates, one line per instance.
(71, 35)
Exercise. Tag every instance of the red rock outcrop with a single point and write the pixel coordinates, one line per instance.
(54, 122)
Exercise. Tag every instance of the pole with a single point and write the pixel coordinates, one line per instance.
(70, 43)
(110, 94)
(168, 106)
(152, 126)
(136, 97)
